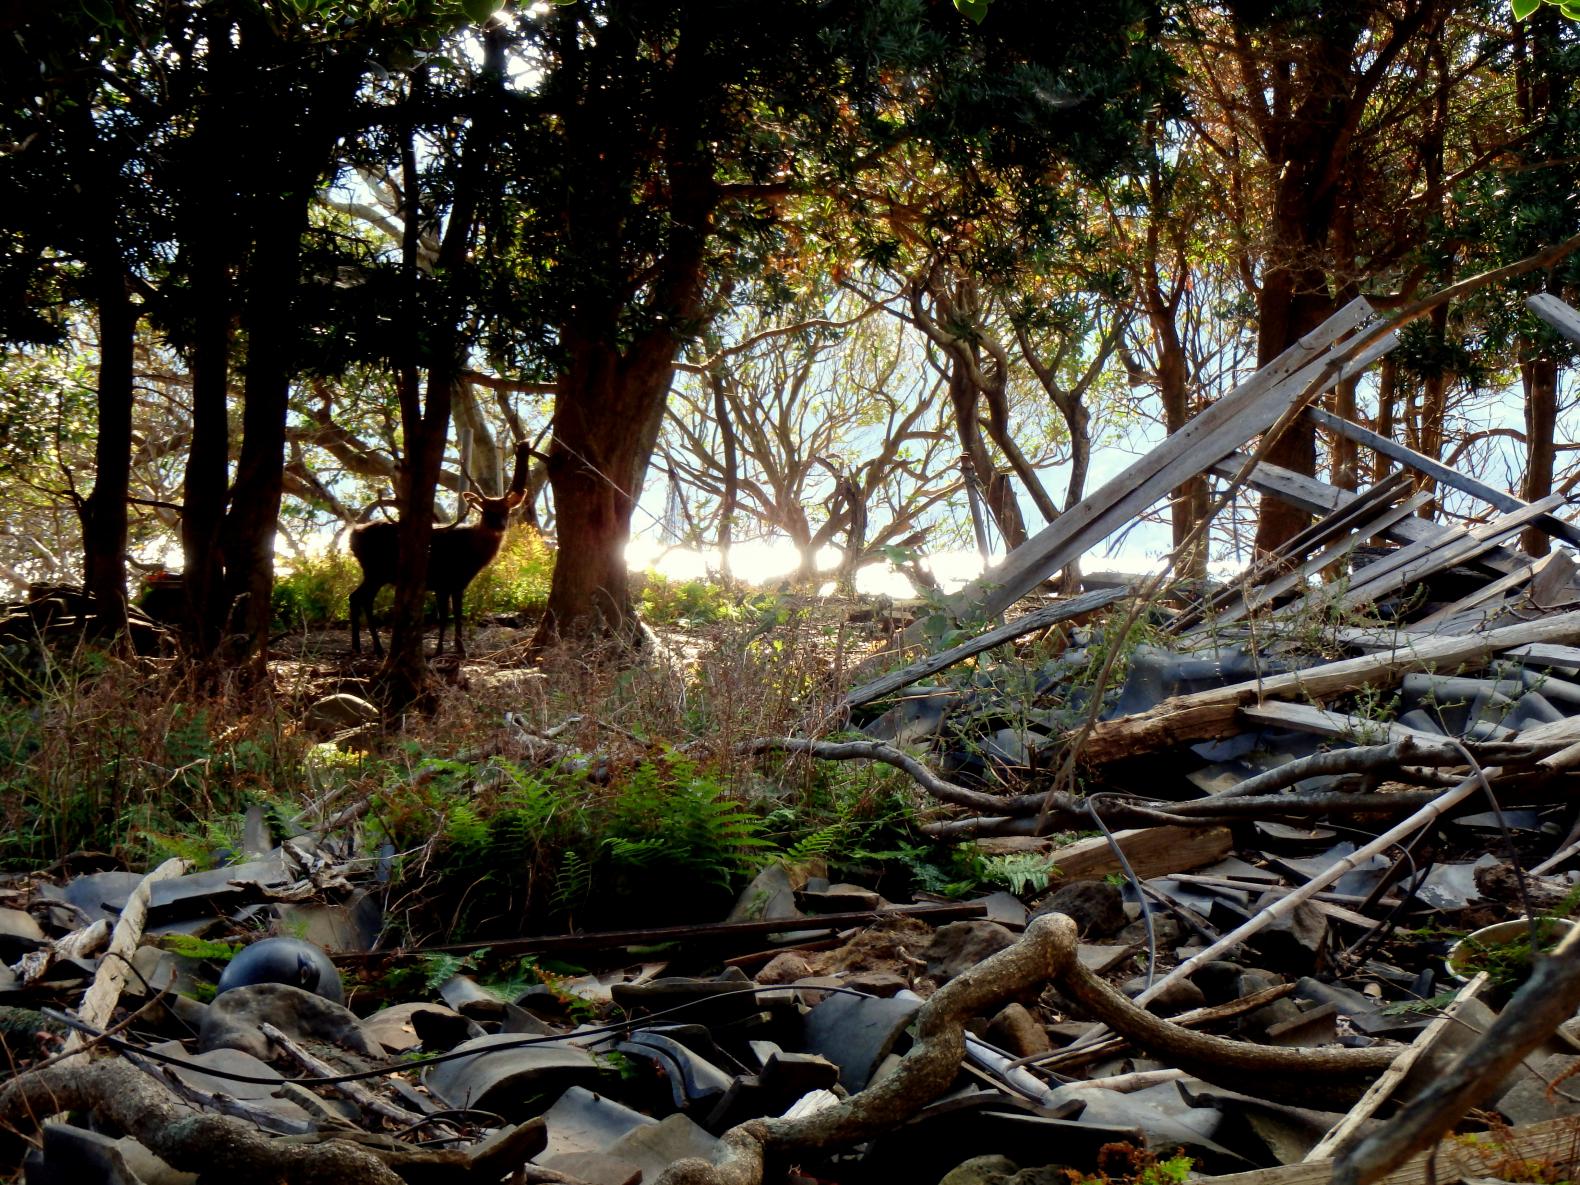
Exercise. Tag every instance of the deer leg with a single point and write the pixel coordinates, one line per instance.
(362, 606)
(460, 649)
(441, 602)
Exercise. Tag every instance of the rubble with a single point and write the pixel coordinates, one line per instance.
(1303, 785)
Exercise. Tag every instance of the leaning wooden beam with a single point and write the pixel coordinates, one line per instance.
(1548, 998)
(1421, 560)
(932, 664)
(1248, 410)
(1317, 497)
(1287, 559)
(1454, 478)
(1254, 599)
(98, 1002)
(1551, 1142)
(1381, 1090)
(1207, 714)
(1489, 596)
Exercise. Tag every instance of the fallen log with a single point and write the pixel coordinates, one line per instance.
(1206, 715)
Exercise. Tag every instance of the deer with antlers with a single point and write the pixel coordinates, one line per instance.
(456, 555)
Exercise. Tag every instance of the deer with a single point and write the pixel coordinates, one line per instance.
(456, 555)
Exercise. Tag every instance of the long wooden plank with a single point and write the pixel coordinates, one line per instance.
(1388, 1081)
(1551, 1142)
(1255, 598)
(1152, 851)
(703, 932)
(1205, 714)
(933, 663)
(1225, 426)
(1482, 538)
(1288, 556)
(1335, 725)
(1317, 497)
(1486, 593)
(1463, 482)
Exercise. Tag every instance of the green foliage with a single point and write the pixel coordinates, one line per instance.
(438, 969)
(964, 870)
(685, 602)
(671, 814)
(190, 947)
(518, 579)
(1524, 8)
(314, 592)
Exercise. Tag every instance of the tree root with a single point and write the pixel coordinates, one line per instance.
(1045, 953)
(122, 1098)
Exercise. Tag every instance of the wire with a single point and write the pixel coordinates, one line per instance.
(1135, 881)
(409, 1064)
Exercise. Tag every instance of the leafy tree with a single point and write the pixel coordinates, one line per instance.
(663, 151)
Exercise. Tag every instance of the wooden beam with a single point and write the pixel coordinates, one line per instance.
(1035, 620)
(1437, 471)
(1481, 1155)
(1205, 714)
(1248, 410)
(1152, 851)
(1317, 497)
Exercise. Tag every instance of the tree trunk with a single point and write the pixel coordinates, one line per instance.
(606, 423)
(1540, 379)
(1188, 502)
(104, 510)
(208, 455)
(253, 520)
(208, 210)
(1387, 413)
(730, 498)
(997, 489)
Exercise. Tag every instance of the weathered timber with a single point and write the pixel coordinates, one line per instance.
(1552, 1141)
(1207, 714)
(1246, 411)
(1421, 560)
(715, 932)
(1453, 478)
(1152, 851)
(1289, 556)
(1253, 599)
(1546, 999)
(1490, 595)
(1035, 620)
(1388, 1081)
(1318, 497)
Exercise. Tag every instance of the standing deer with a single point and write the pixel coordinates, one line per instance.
(456, 555)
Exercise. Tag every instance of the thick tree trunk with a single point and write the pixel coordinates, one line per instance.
(104, 510)
(1189, 502)
(997, 489)
(1540, 379)
(1294, 300)
(208, 209)
(208, 456)
(606, 422)
(1387, 413)
(253, 520)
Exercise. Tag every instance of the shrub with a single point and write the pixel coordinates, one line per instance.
(315, 590)
(518, 579)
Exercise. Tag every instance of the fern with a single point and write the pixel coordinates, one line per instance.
(438, 969)
(814, 844)
(1019, 872)
(574, 881)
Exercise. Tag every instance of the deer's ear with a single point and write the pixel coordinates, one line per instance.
(472, 498)
(515, 498)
